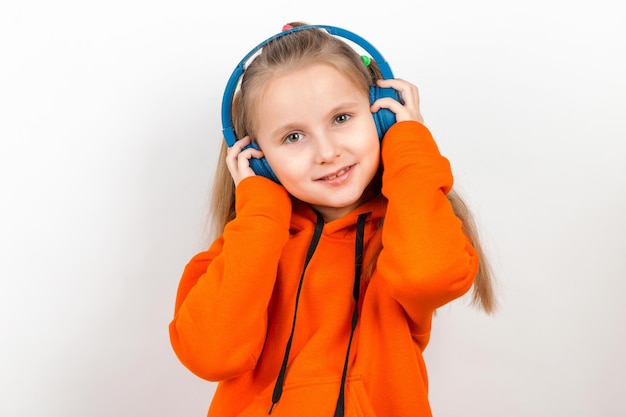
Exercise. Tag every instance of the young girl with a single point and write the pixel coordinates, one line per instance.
(316, 297)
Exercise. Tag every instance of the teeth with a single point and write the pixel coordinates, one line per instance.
(332, 177)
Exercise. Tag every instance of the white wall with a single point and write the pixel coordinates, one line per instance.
(109, 127)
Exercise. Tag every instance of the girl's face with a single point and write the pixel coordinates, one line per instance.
(317, 133)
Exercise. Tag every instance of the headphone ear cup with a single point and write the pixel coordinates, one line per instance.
(260, 166)
(383, 118)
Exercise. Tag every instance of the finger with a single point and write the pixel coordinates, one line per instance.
(409, 92)
(241, 164)
(410, 99)
(387, 103)
(403, 112)
(232, 156)
(235, 150)
(239, 145)
(249, 153)
(405, 88)
(397, 84)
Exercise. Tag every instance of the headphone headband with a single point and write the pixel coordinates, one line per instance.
(231, 85)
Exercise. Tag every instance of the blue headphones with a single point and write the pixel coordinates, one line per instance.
(383, 118)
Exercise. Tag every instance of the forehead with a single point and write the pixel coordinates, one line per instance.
(321, 80)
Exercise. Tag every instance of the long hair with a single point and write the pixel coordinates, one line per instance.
(300, 49)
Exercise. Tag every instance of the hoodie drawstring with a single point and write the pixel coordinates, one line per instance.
(356, 290)
(278, 387)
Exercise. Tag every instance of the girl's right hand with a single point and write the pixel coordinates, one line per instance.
(238, 159)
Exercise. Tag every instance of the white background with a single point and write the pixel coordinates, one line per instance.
(109, 129)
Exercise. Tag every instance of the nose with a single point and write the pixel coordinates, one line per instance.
(327, 148)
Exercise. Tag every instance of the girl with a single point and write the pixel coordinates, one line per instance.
(317, 295)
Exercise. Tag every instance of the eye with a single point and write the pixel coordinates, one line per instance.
(342, 118)
(293, 137)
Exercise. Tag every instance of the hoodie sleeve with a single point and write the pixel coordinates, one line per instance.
(220, 317)
(426, 260)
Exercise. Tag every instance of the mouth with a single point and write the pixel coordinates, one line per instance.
(336, 174)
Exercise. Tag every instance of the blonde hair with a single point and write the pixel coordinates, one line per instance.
(296, 50)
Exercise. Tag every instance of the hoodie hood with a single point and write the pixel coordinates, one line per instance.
(305, 218)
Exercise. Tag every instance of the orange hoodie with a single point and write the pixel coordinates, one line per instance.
(236, 302)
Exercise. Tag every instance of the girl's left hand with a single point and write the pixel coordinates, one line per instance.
(409, 93)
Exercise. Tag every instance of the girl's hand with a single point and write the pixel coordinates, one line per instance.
(410, 110)
(238, 159)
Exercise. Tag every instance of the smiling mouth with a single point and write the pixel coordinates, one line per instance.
(336, 174)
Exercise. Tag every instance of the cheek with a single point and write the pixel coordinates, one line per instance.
(288, 170)
(373, 157)
(372, 150)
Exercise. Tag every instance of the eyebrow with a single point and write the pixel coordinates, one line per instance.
(282, 130)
